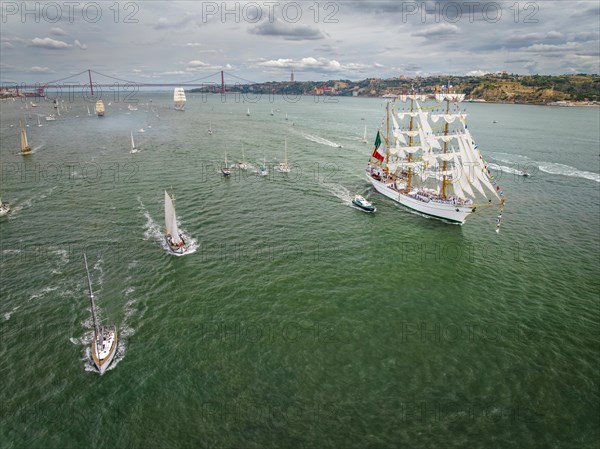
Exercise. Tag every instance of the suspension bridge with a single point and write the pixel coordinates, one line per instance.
(214, 83)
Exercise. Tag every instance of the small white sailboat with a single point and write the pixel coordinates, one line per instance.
(242, 165)
(272, 113)
(25, 148)
(39, 123)
(210, 131)
(134, 149)
(88, 109)
(132, 107)
(226, 170)
(50, 118)
(248, 112)
(283, 166)
(365, 135)
(286, 116)
(179, 99)
(58, 111)
(173, 237)
(104, 343)
(4, 207)
(263, 170)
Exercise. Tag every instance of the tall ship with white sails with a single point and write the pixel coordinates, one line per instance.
(179, 99)
(100, 108)
(104, 342)
(428, 161)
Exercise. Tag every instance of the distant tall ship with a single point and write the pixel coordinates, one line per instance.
(100, 108)
(428, 167)
(179, 99)
(104, 343)
(25, 148)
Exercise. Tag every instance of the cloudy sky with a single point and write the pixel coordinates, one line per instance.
(159, 41)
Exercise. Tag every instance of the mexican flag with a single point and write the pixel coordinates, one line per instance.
(378, 151)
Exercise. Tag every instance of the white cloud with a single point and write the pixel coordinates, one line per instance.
(56, 31)
(477, 73)
(80, 45)
(38, 69)
(49, 43)
(443, 29)
(312, 63)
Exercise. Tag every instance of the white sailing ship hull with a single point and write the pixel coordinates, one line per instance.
(443, 211)
(103, 360)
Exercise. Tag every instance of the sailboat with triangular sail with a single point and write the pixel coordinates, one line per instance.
(243, 165)
(365, 135)
(248, 112)
(210, 131)
(134, 149)
(88, 110)
(226, 170)
(174, 238)
(39, 123)
(25, 148)
(283, 166)
(179, 99)
(104, 342)
(263, 170)
(429, 166)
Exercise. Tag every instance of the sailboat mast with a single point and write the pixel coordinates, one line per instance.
(387, 137)
(410, 142)
(445, 163)
(96, 330)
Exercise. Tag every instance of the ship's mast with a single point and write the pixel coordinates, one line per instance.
(445, 164)
(387, 136)
(96, 330)
(410, 142)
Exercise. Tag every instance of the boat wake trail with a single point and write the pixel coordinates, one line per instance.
(340, 192)
(551, 168)
(512, 170)
(320, 140)
(565, 170)
(154, 232)
(14, 210)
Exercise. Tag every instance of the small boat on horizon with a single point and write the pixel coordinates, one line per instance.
(210, 131)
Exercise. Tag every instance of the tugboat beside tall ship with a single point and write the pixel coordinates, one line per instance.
(428, 166)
